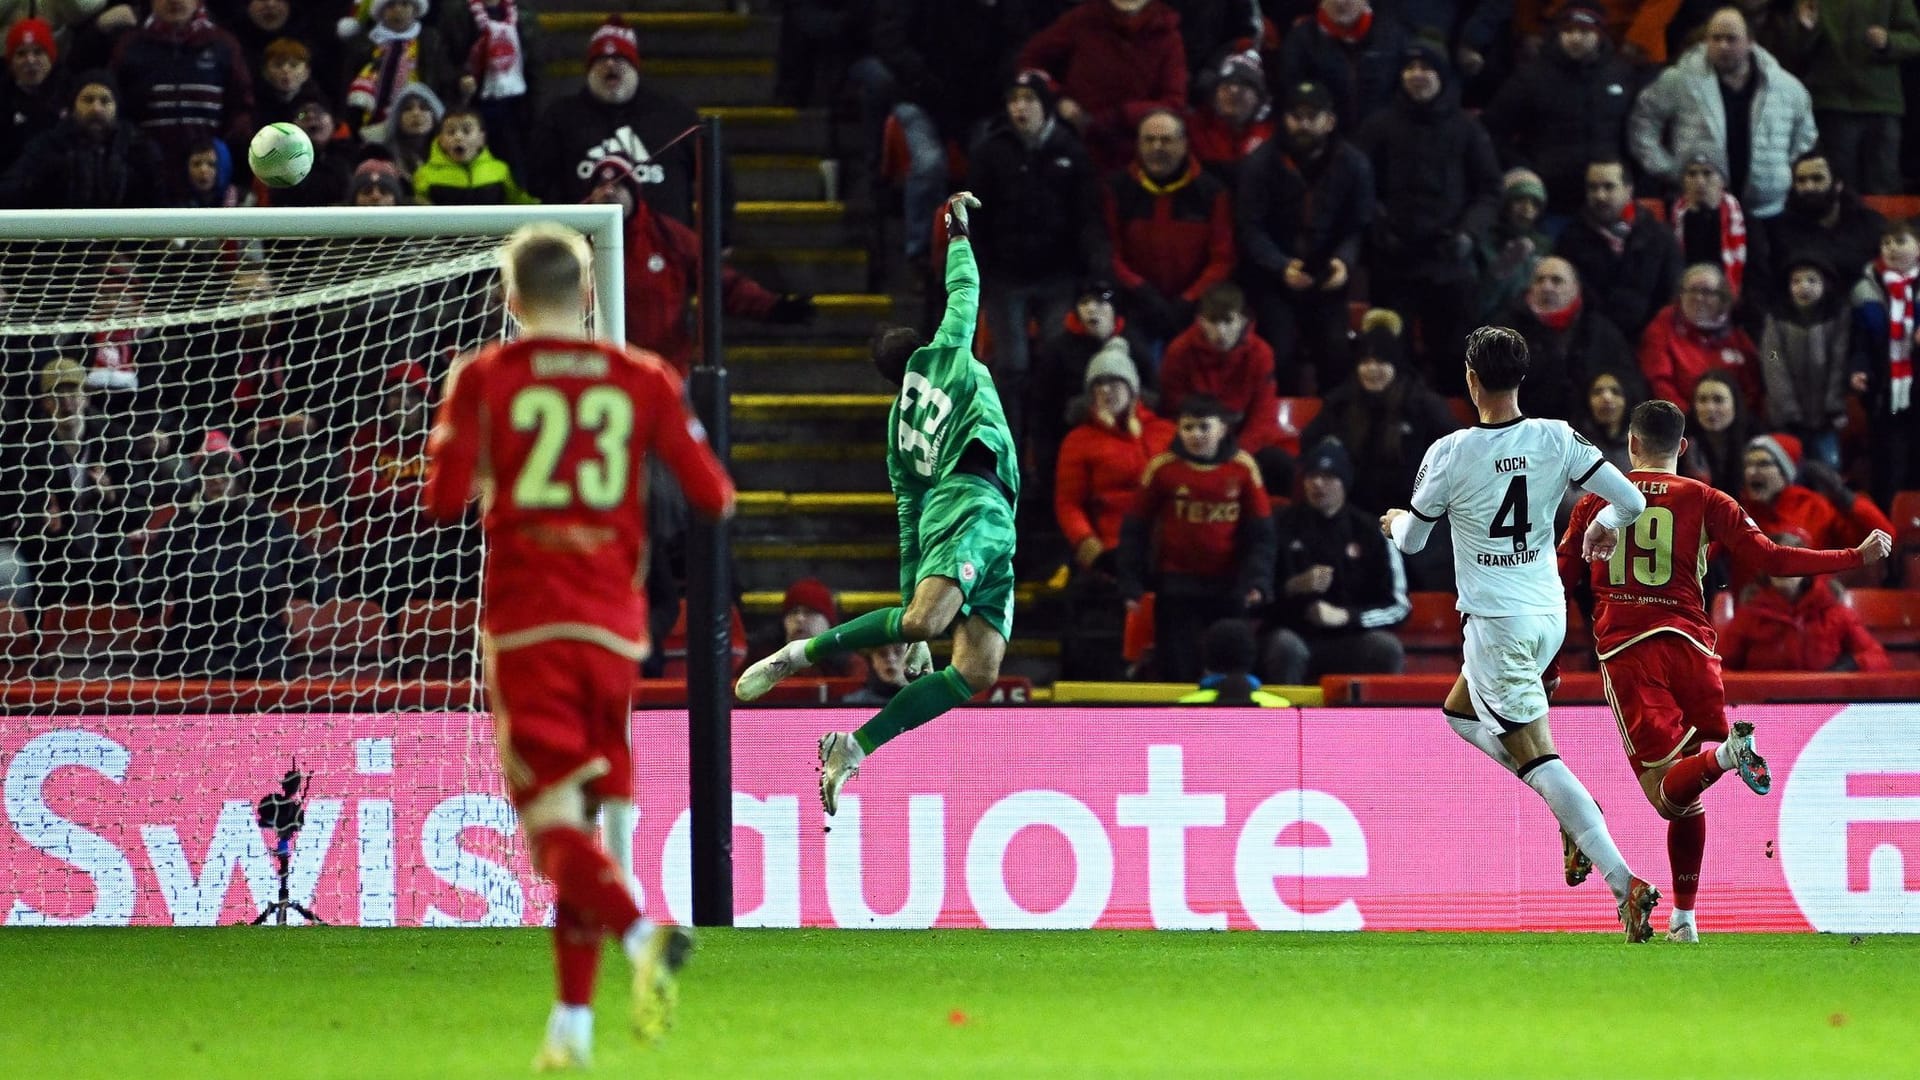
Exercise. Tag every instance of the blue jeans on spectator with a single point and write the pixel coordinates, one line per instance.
(926, 183)
(1008, 308)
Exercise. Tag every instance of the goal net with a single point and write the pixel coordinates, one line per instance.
(211, 457)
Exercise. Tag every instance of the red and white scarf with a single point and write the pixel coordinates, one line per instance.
(1901, 295)
(110, 363)
(1733, 238)
(1350, 34)
(395, 56)
(497, 61)
(1616, 234)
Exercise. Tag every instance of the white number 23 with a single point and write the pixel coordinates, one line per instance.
(915, 433)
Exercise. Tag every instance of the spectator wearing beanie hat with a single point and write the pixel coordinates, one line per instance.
(1338, 584)
(91, 159)
(417, 113)
(1037, 232)
(1236, 120)
(1384, 414)
(1798, 624)
(662, 258)
(1784, 493)
(397, 51)
(616, 114)
(377, 183)
(1509, 251)
(1105, 455)
(806, 611)
(1710, 227)
(1060, 367)
(33, 91)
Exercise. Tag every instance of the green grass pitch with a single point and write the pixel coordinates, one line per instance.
(797, 1004)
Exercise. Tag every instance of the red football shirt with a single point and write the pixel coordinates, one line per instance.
(1652, 583)
(1196, 510)
(554, 435)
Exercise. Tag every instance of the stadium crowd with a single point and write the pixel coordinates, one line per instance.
(1230, 251)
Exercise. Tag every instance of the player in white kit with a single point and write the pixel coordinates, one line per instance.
(1500, 483)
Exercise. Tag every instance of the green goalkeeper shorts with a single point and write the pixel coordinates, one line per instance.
(966, 533)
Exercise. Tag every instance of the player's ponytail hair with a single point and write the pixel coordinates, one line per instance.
(1658, 424)
(892, 346)
(545, 265)
(1498, 355)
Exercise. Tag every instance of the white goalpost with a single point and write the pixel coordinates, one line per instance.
(212, 436)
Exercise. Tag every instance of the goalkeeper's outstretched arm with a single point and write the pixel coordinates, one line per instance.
(963, 279)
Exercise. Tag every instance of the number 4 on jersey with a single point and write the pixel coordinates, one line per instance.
(1513, 520)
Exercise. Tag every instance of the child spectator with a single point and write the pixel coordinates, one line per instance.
(1228, 676)
(409, 138)
(1514, 245)
(396, 52)
(1696, 334)
(210, 176)
(886, 676)
(1384, 417)
(377, 183)
(1884, 331)
(498, 69)
(1200, 533)
(333, 157)
(1798, 624)
(1237, 120)
(1095, 484)
(1804, 358)
(662, 270)
(1718, 427)
(1221, 356)
(461, 171)
(1338, 583)
(286, 73)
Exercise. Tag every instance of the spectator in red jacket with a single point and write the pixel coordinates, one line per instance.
(1201, 534)
(182, 77)
(1237, 120)
(1113, 60)
(1096, 482)
(1696, 334)
(662, 258)
(1172, 228)
(1221, 356)
(1799, 624)
(1776, 500)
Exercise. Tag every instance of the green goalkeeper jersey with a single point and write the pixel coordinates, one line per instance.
(947, 401)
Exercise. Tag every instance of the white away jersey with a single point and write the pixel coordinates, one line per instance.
(1500, 485)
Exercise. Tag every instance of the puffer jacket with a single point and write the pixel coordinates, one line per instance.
(1814, 632)
(1099, 473)
(1241, 377)
(1683, 107)
(484, 181)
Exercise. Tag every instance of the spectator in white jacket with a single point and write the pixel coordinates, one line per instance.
(1731, 93)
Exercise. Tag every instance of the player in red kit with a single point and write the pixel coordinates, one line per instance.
(1656, 643)
(552, 431)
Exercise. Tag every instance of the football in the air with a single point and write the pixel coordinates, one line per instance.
(280, 154)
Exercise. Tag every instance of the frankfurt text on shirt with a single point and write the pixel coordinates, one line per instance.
(1518, 558)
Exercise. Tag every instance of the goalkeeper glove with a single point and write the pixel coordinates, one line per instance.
(919, 660)
(957, 208)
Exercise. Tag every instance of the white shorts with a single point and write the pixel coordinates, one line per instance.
(1503, 661)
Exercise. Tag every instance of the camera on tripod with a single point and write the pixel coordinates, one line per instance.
(284, 812)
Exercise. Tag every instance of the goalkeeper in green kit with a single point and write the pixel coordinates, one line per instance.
(955, 481)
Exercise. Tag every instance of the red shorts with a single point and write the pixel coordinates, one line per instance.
(1665, 694)
(561, 710)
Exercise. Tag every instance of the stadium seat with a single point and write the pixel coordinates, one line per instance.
(1431, 634)
(673, 650)
(439, 637)
(1910, 570)
(338, 630)
(1136, 639)
(1905, 514)
(92, 632)
(1294, 415)
(1893, 615)
(1893, 207)
(319, 526)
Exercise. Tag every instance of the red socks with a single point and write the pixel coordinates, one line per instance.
(1689, 777)
(1686, 841)
(576, 955)
(585, 879)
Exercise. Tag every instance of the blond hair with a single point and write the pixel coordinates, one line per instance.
(545, 265)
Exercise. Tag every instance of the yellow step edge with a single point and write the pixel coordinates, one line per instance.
(787, 404)
(846, 256)
(674, 67)
(769, 503)
(1068, 692)
(853, 303)
(645, 22)
(804, 354)
(774, 162)
(848, 552)
(753, 114)
(808, 452)
(789, 210)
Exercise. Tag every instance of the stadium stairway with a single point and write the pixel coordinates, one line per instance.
(807, 408)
